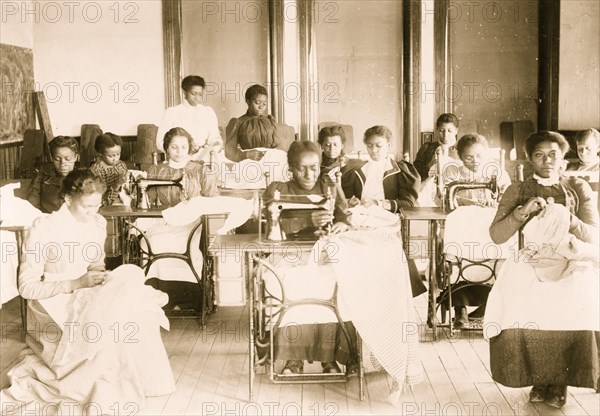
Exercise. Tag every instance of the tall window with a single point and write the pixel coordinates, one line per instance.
(227, 43)
(359, 65)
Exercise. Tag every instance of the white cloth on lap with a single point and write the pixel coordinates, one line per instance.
(467, 235)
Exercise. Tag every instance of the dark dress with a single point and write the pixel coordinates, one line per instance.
(251, 132)
(426, 158)
(323, 342)
(544, 352)
(184, 294)
(44, 193)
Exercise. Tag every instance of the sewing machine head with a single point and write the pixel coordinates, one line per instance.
(452, 189)
(290, 204)
(142, 184)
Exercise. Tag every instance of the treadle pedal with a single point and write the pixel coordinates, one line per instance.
(182, 313)
(310, 378)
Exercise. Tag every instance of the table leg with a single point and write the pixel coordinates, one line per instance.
(23, 302)
(249, 278)
(431, 311)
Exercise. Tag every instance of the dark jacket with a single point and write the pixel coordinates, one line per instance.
(45, 190)
(400, 184)
(426, 158)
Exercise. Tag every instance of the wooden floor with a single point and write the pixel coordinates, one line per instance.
(211, 370)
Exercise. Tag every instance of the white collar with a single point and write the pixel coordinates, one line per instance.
(178, 165)
(552, 180)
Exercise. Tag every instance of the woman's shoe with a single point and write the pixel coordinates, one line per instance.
(351, 369)
(461, 317)
(556, 396)
(330, 367)
(293, 367)
(538, 393)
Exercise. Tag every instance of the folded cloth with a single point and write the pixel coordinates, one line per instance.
(16, 211)
(372, 217)
(187, 212)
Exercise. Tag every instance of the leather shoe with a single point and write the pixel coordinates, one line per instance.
(293, 367)
(538, 393)
(556, 396)
(330, 367)
(461, 317)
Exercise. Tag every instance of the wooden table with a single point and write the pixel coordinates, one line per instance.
(126, 216)
(436, 217)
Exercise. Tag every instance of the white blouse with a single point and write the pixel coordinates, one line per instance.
(374, 171)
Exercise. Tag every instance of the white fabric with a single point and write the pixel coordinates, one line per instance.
(466, 238)
(372, 217)
(186, 212)
(250, 174)
(170, 233)
(123, 294)
(200, 121)
(552, 285)
(14, 211)
(374, 171)
(375, 295)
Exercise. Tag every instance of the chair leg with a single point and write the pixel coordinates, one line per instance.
(23, 303)
(361, 369)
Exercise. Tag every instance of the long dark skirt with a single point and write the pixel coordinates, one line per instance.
(315, 342)
(525, 357)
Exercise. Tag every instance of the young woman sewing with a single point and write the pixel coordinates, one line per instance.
(542, 314)
(93, 336)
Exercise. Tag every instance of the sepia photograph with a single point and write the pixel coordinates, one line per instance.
(299, 207)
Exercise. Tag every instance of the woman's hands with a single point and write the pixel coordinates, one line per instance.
(90, 279)
(321, 218)
(532, 206)
(254, 154)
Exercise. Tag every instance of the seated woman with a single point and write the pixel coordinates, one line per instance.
(254, 130)
(380, 181)
(64, 367)
(447, 130)
(304, 164)
(44, 192)
(475, 167)
(172, 275)
(332, 140)
(588, 165)
(313, 333)
(109, 166)
(542, 319)
(472, 150)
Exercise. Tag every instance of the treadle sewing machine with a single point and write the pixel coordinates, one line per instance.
(452, 189)
(447, 193)
(274, 209)
(141, 186)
